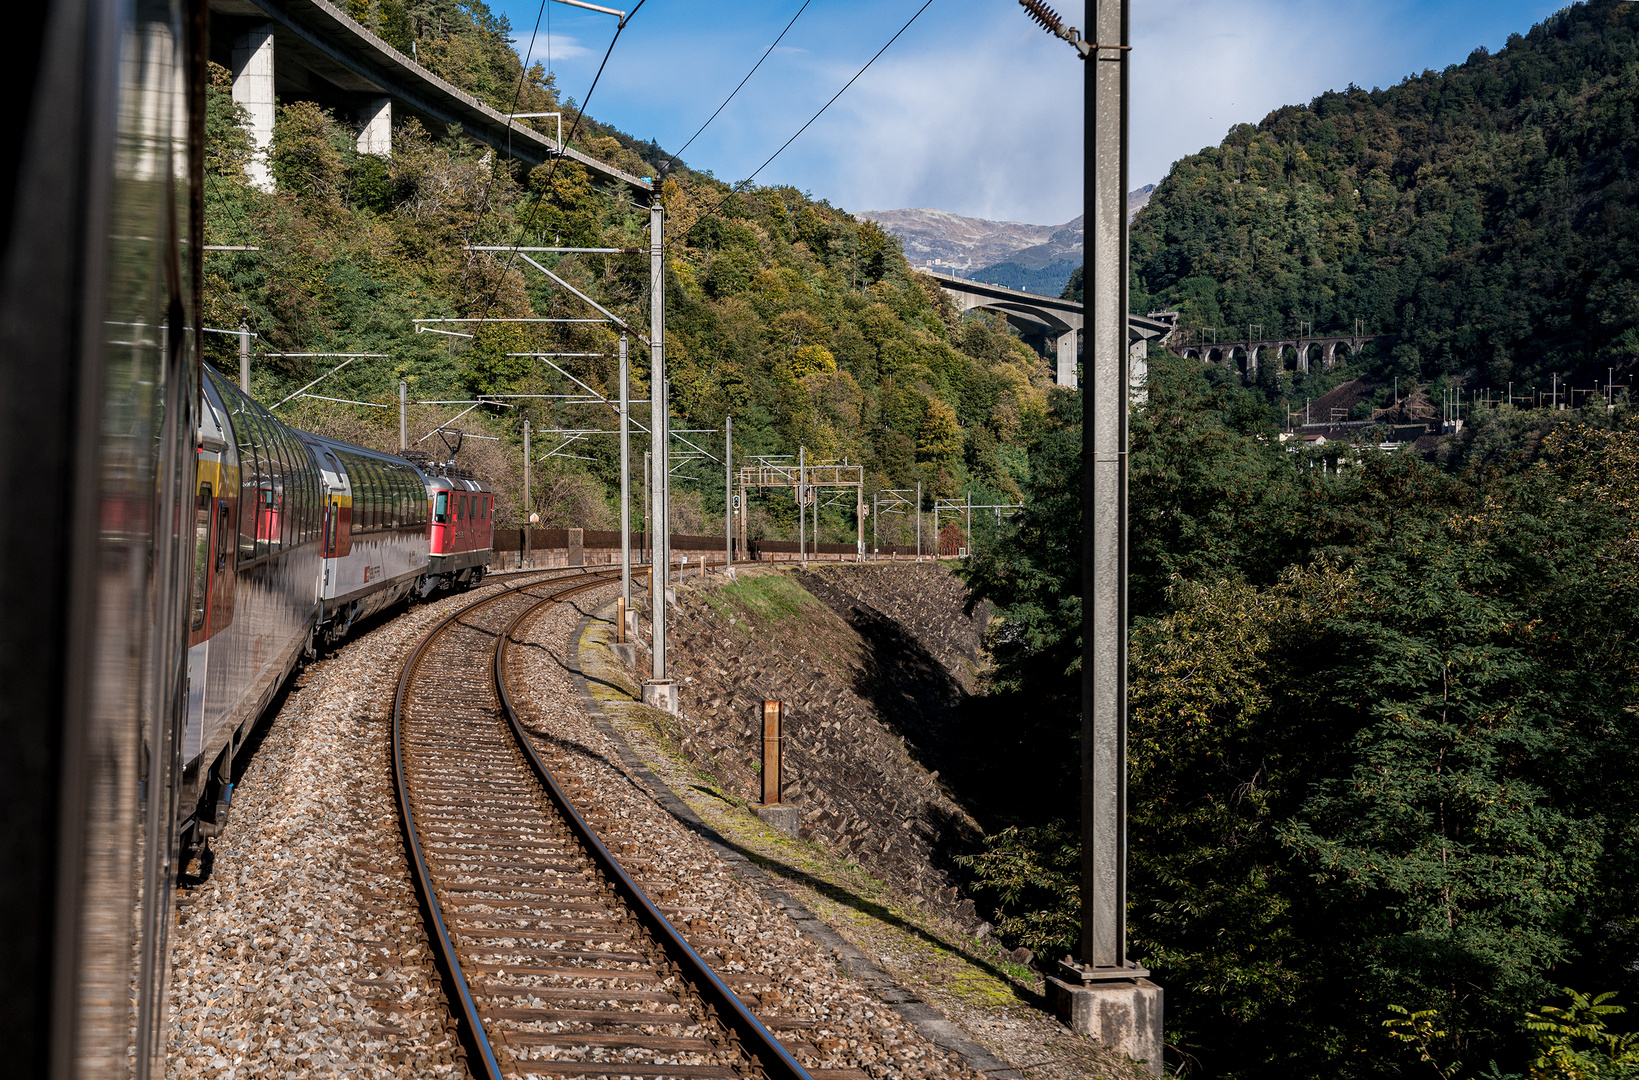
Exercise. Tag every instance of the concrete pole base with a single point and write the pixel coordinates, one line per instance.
(779, 817)
(631, 625)
(1122, 1014)
(624, 651)
(661, 695)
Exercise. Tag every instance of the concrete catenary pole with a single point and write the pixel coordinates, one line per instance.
(666, 495)
(1104, 502)
(802, 508)
(625, 483)
(658, 691)
(525, 554)
(403, 414)
(244, 356)
(859, 516)
(1101, 993)
(728, 493)
(919, 519)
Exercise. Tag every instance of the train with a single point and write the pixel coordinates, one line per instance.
(297, 537)
(172, 551)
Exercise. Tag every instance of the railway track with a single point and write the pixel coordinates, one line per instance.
(557, 963)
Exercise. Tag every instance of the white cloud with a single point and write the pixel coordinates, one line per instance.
(942, 130)
(975, 110)
(554, 50)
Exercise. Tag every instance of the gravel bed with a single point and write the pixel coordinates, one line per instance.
(894, 937)
(304, 955)
(748, 940)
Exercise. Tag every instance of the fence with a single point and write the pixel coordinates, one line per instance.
(600, 547)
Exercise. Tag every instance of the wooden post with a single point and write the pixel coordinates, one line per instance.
(773, 736)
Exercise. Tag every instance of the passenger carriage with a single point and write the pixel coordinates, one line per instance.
(375, 531)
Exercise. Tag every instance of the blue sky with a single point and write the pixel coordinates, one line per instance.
(975, 110)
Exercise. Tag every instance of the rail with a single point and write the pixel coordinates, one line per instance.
(741, 1031)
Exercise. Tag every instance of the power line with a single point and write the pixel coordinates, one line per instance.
(679, 152)
(747, 181)
(580, 110)
(580, 113)
(838, 94)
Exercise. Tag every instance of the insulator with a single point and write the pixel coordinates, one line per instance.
(1046, 16)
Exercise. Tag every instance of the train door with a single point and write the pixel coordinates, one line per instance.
(199, 605)
(338, 516)
(222, 567)
(210, 609)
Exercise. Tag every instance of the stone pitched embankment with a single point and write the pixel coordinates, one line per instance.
(871, 661)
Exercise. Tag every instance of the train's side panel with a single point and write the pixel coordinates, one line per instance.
(98, 292)
(376, 534)
(463, 526)
(268, 584)
(380, 569)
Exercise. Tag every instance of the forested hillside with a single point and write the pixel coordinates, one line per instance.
(1381, 741)
(1486, 216)
(1382, 718)
(803, 323)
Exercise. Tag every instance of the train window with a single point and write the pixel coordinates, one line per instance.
(281, 530)
(203, 509)
(378, 479)
(441, 508)
(401, 499)
(363, 493)
(364, 500)
(310, 494)
(372, 496)
(248, 480)
(252, 479)
(295, 489)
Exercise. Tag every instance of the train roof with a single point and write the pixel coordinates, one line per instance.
(456, 483)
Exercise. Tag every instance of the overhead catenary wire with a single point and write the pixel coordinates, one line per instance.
(747, 181)
(580, 113)
(679, 151)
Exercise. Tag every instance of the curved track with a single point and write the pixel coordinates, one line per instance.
(557, 963)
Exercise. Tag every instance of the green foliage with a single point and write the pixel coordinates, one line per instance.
(1035, 876)
(805, 324)
(1073, 287)
(1417, 1029)
(1485, 214)
(1374, 721)
(1574, 1044)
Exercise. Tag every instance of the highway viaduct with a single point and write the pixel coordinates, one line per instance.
(311, 49)
(1050, 318)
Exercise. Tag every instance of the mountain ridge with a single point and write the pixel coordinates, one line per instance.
(1035, 258)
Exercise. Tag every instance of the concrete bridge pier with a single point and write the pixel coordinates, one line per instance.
(253, 91)
(1066, 371)
(376, 132)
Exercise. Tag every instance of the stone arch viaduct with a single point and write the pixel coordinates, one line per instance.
(1249, 355)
